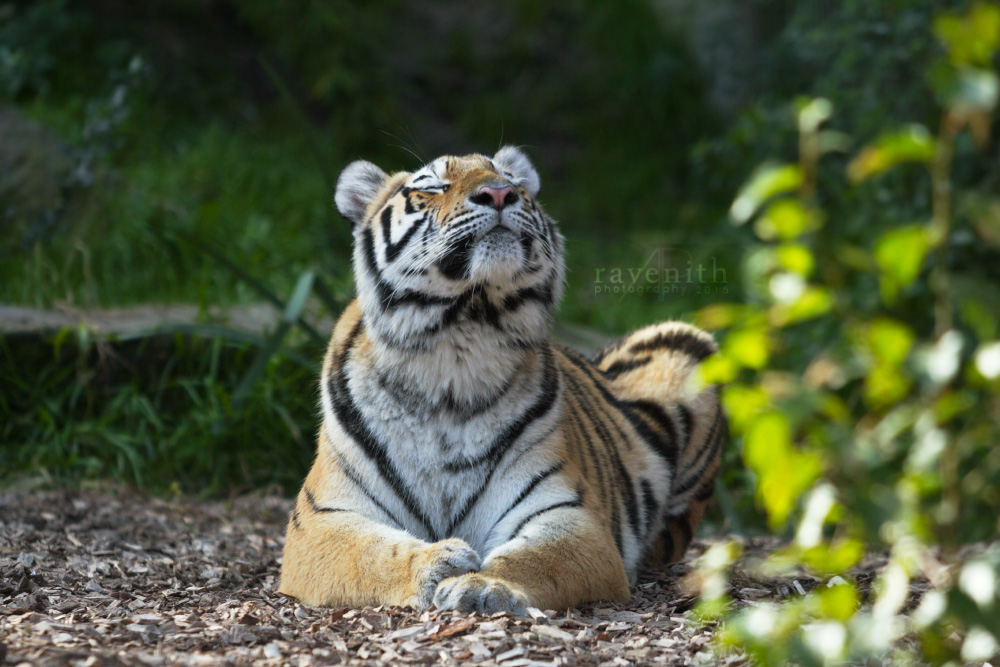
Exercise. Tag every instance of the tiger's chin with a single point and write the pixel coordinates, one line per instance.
(497, 257)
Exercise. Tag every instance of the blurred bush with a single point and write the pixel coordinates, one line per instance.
(864, 378)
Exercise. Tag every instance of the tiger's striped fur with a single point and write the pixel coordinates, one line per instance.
(463, 458)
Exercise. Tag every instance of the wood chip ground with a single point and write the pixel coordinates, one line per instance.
(92, 578)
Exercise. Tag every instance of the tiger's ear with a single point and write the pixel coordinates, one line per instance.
(357, 186)
(517, 163)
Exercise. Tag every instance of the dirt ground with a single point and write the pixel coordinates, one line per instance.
(113, 577)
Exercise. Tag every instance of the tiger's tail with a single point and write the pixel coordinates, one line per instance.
(653, 369)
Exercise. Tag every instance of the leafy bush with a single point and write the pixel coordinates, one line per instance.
(864, 381)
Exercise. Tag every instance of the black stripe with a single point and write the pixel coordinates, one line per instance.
(666, 446)
(601, 406)
(353, 422)
(525, 492)
(542, 295)
(547, 397)
(576, 502)
(388, 297)
(626, 483)
(685, 525)
(638, 424)
(392, 250)
(295, 517)
(681, 340)
(712, 444)
(455, 264)
(311, 499)
(668, 542)
(352, 475)
(624, 366)
(616, 528)
(585, 436)
(687, 420)
(494, 455)
(600, 355)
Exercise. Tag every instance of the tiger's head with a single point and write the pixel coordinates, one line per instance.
(459, 243)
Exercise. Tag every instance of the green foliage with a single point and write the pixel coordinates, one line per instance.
(883, 428)
(141, 413)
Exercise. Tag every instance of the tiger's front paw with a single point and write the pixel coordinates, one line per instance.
(475, 592)
(437, 562)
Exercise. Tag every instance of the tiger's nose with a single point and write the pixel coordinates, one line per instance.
(498, 198)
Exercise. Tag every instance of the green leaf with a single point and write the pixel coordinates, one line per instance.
(889, 341)
(718, 369)
(767, 181)
(768, 437)
(834, 558)
(840, 602)
(900, 254)
(293, 309)
(783, 472)
(748, 347)
(885, 385)
(813, 113)
(910, 144)
(812, 302)
(796, 258)
(971, 39)
(785, 219)
(743, 403)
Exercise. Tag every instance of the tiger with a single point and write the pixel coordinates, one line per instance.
(466, 461)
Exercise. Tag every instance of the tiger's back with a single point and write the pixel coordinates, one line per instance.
(472, 462)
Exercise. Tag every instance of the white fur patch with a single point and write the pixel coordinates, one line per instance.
(518, 164)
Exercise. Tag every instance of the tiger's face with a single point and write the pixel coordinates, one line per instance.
(462, 239)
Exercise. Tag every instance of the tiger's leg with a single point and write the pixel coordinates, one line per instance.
(559, 559)
(334, 556)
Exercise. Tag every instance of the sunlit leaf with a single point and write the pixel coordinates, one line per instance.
(813, 113)
(748, 347)
(783, 472)
(885, 385)
(767, 181)
(797, 258)
(718, 369)
(910, 144)
(768, 437)
(834, 558)
(900, 254)
(812, 302)
(742, 404)
(889, 340)
(970, 39)
(785, 219)
(841, 601)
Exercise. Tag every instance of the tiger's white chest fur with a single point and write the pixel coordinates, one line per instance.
(448, 419)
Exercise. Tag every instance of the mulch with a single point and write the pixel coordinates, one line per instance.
(113, 577)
